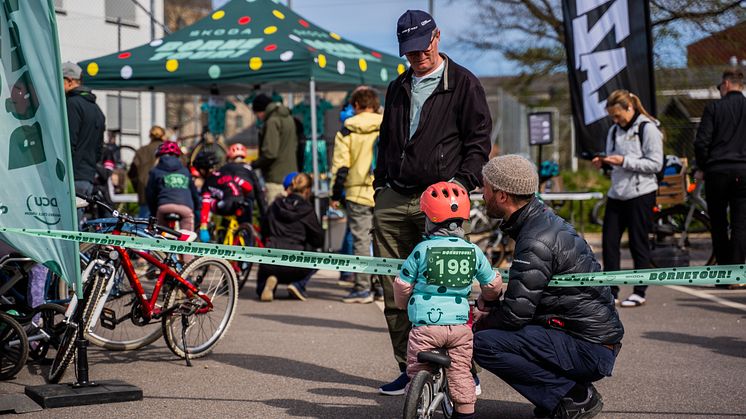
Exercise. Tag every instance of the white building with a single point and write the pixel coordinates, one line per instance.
(88, 29)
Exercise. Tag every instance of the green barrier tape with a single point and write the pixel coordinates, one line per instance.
(704, 275)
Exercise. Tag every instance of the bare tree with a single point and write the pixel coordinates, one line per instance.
(531, 34)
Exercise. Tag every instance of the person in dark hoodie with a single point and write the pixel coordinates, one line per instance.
(170, 188)
(86, 123)
(293, 225)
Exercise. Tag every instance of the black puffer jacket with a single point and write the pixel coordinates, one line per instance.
(293, 224)
(546, 245)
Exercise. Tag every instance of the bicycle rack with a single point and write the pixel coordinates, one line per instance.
(83, 391)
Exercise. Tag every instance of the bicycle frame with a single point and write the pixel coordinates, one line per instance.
(695, 203)
(150, 310)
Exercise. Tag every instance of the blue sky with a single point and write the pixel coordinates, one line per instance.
(373, 23)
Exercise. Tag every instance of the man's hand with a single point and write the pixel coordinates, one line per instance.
(615, 160)
(334, 204)
(377, 191)
(597, 162)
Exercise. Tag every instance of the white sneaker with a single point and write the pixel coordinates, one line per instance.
(268, 292)
(633, 300)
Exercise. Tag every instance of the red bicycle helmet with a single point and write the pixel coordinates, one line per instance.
(168, 147)
(237, 150)
(445, 201)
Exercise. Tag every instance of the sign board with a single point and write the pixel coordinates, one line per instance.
(540, 128)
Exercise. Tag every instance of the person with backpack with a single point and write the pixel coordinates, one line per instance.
(170, 188)
(634, 150)
(352, 166)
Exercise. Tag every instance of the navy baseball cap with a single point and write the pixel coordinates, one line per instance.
(414, 31)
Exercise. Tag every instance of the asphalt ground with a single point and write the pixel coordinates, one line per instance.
(684, 355)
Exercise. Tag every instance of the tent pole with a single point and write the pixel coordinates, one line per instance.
(314, 146)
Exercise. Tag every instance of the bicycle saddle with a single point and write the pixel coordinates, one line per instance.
(437, 357)
(172, 216)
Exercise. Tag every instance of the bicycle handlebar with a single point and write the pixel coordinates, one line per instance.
(150, 223)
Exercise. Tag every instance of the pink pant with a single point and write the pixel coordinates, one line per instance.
(186, 222)
(458, 341)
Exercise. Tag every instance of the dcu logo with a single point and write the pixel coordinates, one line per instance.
(43, 209)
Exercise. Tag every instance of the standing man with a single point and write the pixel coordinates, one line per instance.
(720, 149)
(143, 162)
(436, 127)
(548, 343)
(352, 166)
(277, 144)
(86, 123)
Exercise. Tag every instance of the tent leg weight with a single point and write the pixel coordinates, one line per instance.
(63, 395)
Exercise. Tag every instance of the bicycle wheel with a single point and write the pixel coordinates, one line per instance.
(246, 237)
(47, 320)
(128, 330)
(493, 248)
(597, 212)
(13, 347)
(675, 216)
(81, 316)
(446, 405)
(216, 279)
(419, 396)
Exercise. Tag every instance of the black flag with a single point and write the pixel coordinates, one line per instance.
(609, 46)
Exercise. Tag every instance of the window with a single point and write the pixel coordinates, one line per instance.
(130, 114)
(124, 9)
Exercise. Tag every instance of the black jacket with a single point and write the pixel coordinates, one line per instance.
(86, 123)
(293, 224)
(452, 140)
(245, 172)
(546, 245)
(721, 138)
(170, 183)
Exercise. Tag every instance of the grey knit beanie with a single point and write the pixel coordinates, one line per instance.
(512, 174)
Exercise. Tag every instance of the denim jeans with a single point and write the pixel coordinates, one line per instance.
(540, 363)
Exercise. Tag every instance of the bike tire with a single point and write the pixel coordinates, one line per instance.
(248, 237)
(217, 279)
(81, 316)
(13, 347)
(127, 335)
(598, 211)
(50, 322)
(495, 251)
(675, 216)
(419, 396)
(446, 405)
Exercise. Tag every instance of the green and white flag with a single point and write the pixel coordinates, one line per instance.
(35, 161)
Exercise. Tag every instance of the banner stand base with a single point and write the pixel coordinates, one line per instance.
(64, 395)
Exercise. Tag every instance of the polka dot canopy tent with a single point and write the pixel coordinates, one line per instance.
(244, 44)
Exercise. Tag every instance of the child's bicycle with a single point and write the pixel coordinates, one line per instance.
(429, 388)
(194, 315)
(14, 346)
(232, 233)
(41, 325)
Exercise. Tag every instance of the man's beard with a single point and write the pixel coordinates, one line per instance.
(494, 211)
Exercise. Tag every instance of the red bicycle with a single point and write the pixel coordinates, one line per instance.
(194, 305)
